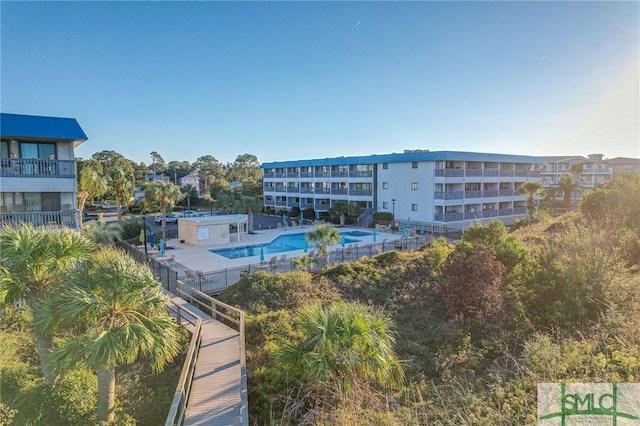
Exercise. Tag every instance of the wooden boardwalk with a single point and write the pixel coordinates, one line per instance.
(218, 394)
(215, 397)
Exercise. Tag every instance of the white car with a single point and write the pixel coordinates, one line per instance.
(171, 218)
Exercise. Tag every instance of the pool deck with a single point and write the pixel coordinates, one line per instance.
(199, 258)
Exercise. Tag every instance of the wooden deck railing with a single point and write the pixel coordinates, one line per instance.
(181, 396)
(226, 314)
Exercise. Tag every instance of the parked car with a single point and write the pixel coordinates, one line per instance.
(171, 218)
(190, 213)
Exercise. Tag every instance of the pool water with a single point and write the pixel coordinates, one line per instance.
(281, 244)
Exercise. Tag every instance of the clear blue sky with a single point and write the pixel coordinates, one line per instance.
(295, 80)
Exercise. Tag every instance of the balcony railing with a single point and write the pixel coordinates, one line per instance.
(367, 173)
(339, 173)
(34, 167)
(306, 174)
(306, 190)
(489, 213)
(323, 191)
(68, 219)
(360, 192)
(293, 189)
(281, 188)
(293, 174)
(320, 173)
(519, 210)
(472, 194)
(269, 175)
(280, 174)
(448, 217)
(339, 191)
(448, 195)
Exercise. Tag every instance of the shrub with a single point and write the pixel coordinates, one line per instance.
(131, 229)
(382, 217)
(74, 397)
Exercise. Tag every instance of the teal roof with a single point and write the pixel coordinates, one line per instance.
(33, 126)
(408, 157)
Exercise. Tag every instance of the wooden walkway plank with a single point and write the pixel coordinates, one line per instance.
(216, 392)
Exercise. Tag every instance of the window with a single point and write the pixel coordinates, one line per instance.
(385, 166)
(414, 165)
(385, 205)
(414, 207)
(385, 185)
(414, 186)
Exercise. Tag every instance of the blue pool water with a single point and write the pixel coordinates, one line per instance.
(281, 244)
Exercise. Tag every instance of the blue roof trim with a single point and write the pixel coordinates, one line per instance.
(408, 157)
(33, 126)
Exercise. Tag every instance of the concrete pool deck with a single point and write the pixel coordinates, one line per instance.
(199, 258)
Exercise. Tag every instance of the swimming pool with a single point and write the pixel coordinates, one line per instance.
(289, 242)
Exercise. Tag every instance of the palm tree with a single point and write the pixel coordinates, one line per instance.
(530, 188)
(31, 262)
(189, 191)
(163, 194)
(343, 345)
(102, 233)
(225, 200)
(122, 183)
(342, 209)
(567, 184)
(323, 236)
(115, 311)
(248, 205)
(92, 184)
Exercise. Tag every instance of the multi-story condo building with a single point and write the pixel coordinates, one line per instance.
(446, 188)
(38, 170)
(588, 172)
(624, 164)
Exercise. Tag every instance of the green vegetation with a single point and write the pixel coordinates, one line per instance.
(85, 311)
(477, 324)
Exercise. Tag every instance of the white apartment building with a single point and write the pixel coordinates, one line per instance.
(588, 172)
(448, 189)
(38, 170)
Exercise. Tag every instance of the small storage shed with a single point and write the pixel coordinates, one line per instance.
(211, 230)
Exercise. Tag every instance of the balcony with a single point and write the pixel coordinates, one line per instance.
(490, 193)
(281, 188)
(293, 174)
(339, 173)
(450, 172)
(506, 192)
(339, 191)
(280, 175)
(306, 190)
(448, 195)
(306, 174)
(67, 219)
(472, 194)
(361, 192)
(269, 175)
(489, 213)
(366, 173)
(34, 167)
(506, 173)
(294, 189)
(448, 217)
(323, 190)
(320, 173)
